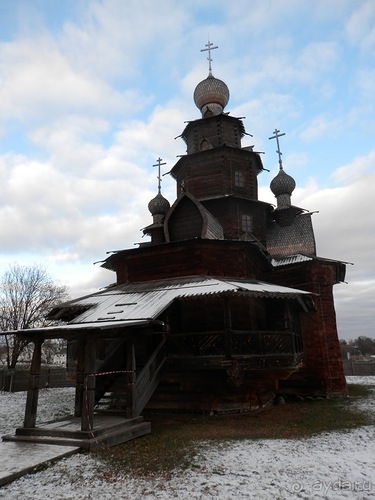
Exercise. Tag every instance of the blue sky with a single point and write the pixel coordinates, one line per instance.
(93, 92)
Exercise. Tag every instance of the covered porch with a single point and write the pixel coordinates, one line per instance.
(102, 352)
(199, 343)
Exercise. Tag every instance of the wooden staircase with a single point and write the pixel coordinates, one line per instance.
(115, 400)
(130, 397)
(110, 405)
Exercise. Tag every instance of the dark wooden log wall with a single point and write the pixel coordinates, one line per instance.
(189, 258)
(322, 371)
(229, 211)
(212, 173)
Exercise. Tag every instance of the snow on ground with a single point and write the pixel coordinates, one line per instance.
(336, 465)
(52, 404)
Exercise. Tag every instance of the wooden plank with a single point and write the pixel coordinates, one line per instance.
(148, 379)
(131, 365)
(88, 402)
(33, 391)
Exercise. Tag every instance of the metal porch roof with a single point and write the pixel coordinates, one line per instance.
(65, 329)
(147, 300)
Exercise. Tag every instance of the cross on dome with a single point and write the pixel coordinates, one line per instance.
(209, 47)
(283, 184)
(211, 95)
(159, 164)
(276, 136)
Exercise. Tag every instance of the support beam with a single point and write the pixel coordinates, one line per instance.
(33, 390)
(80, 375)
(148, 379)
(227, 328)
(88, 400)
(131, 366)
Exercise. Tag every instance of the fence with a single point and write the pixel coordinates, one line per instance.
(359, 368)
(18, 379)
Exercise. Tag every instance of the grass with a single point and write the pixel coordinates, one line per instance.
(176, 438)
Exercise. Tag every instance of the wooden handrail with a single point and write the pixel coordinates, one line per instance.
(148, 379)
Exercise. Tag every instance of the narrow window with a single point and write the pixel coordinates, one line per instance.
(247, 224)
(239, 179)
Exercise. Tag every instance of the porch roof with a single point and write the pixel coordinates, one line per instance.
(147, 300)
(141, 303)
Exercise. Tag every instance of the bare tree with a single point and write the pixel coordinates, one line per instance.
(27, 293)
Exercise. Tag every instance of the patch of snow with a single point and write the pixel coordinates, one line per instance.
(53, 404)
(330, 466)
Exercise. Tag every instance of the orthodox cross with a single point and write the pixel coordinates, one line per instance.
(209, 47)
(159, 164)
(276, 136)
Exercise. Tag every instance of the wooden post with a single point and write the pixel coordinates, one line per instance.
(80, 375)
(33, 390)
(227, 328)
(88, 401)
(131, 366)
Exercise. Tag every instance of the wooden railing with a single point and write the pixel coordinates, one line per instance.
(148, 379)
(258, 348)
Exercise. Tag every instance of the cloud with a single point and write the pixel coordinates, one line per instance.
(360, 27)
(345, 230)
(355, 171)
(318, 127)
(86, 198)
(89, 101)
(37, 82)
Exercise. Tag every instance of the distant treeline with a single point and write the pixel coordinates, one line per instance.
(361, 346)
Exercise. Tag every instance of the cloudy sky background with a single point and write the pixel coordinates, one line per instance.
(93, 92)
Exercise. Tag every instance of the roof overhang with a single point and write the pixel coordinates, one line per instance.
(138, 305)
(66, 331)
(301, 258)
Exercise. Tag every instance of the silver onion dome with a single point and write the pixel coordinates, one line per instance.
(211, 95)
(159, 205)
(282, 184)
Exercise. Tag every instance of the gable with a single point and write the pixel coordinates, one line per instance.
(189, 219)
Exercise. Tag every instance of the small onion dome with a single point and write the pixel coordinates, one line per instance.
(282, 184)
(211, 95)
(159, 205)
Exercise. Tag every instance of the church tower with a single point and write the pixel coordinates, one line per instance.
(228, 295)
(217, 188)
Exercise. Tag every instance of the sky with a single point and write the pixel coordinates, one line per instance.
(92, 92)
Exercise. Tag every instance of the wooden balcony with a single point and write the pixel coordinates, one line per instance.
(252, 350)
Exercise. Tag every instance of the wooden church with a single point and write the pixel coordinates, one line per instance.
(226, 306)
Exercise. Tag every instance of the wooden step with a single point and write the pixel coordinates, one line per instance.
(112, 401)
(71, 428)
(109, 437)
(44, 440)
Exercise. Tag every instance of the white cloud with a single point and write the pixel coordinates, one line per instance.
(345, 214)
(356, 170)
(361, 25)
(365, 80)
(38, 81)
(318, 127)
(99, 97)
